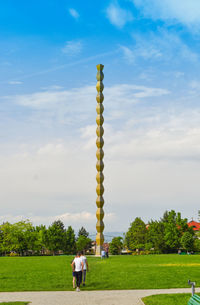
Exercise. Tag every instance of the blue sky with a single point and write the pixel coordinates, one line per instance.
(48, 58)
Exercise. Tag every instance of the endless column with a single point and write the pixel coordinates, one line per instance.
(100, 164)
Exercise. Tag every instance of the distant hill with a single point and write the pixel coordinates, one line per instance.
(108, 236)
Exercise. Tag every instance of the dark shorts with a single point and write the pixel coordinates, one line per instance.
(73, 273)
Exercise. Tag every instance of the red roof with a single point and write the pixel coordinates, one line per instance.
(195, 225)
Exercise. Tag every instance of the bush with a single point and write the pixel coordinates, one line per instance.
(13, 254)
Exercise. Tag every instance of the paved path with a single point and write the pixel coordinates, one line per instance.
(106, 297)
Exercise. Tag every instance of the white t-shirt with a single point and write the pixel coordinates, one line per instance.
(84, 260)
(78, 265)
(103, 253)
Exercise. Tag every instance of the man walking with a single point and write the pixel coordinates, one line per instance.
(85, 267)
(77, 266)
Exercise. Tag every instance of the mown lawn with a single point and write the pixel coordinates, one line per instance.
(13, 303)
(117, 272)
(167, 299)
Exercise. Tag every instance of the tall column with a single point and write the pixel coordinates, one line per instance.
(100, 164)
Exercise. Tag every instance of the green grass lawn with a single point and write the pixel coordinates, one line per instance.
(13, 303)
(167, 299)
(117, 272)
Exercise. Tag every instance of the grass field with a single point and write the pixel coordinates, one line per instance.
(117, 272)
(167, 299)
(13, 303)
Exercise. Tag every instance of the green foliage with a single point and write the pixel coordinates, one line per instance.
(155, 235)
(187, 241)
(166, 235)
(41, 240)
(197, 245)
(148, 246)
(56, 236)
(116, 245)
(22, 238)
(83, 232)
(83, 243)
(174, 228)
(172, 232)
(70, 241)
(136, 235)
(18, 237)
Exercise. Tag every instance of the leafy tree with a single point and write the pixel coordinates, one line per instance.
(136, 235)
(83, 232)
(56, 236)
(70, 241)
(155, 235)
(148, 246)
(174, 228)
(7, 238)
(187, 241)
(197, 245)
(25, 235)
(116, 245)
(171, 233)
(18, 237)
(83, 243)
(41, 240)
(165, 217)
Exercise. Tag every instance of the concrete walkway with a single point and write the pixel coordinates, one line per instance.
(106, 297)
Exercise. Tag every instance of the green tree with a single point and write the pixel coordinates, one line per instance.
(41, 240)
(172, 233)
(155, 235)
(197, 245)
(83, 243)
(136, 235)
(18, 237)
(116, 245)
(24, 236)
(7, 234)
(187, 241)
(70, 241)
(83, 232)
(174, 228)
(56, 236)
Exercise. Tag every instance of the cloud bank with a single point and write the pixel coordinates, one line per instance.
(181, 11)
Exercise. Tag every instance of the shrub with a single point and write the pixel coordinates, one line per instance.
(13, 254)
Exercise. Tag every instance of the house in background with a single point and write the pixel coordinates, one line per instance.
(195, 225)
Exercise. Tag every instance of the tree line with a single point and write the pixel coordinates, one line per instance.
(22, 238)
(170, 234)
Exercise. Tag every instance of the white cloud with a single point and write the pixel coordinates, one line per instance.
(160, 47)
(76, 220)
(151, 150)
(72, 48)
(15, 82)
(74, 13)
(154, 155)
(181, 11)
(65, 103)
(118, 16)
(53, 87)
(129, 54)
